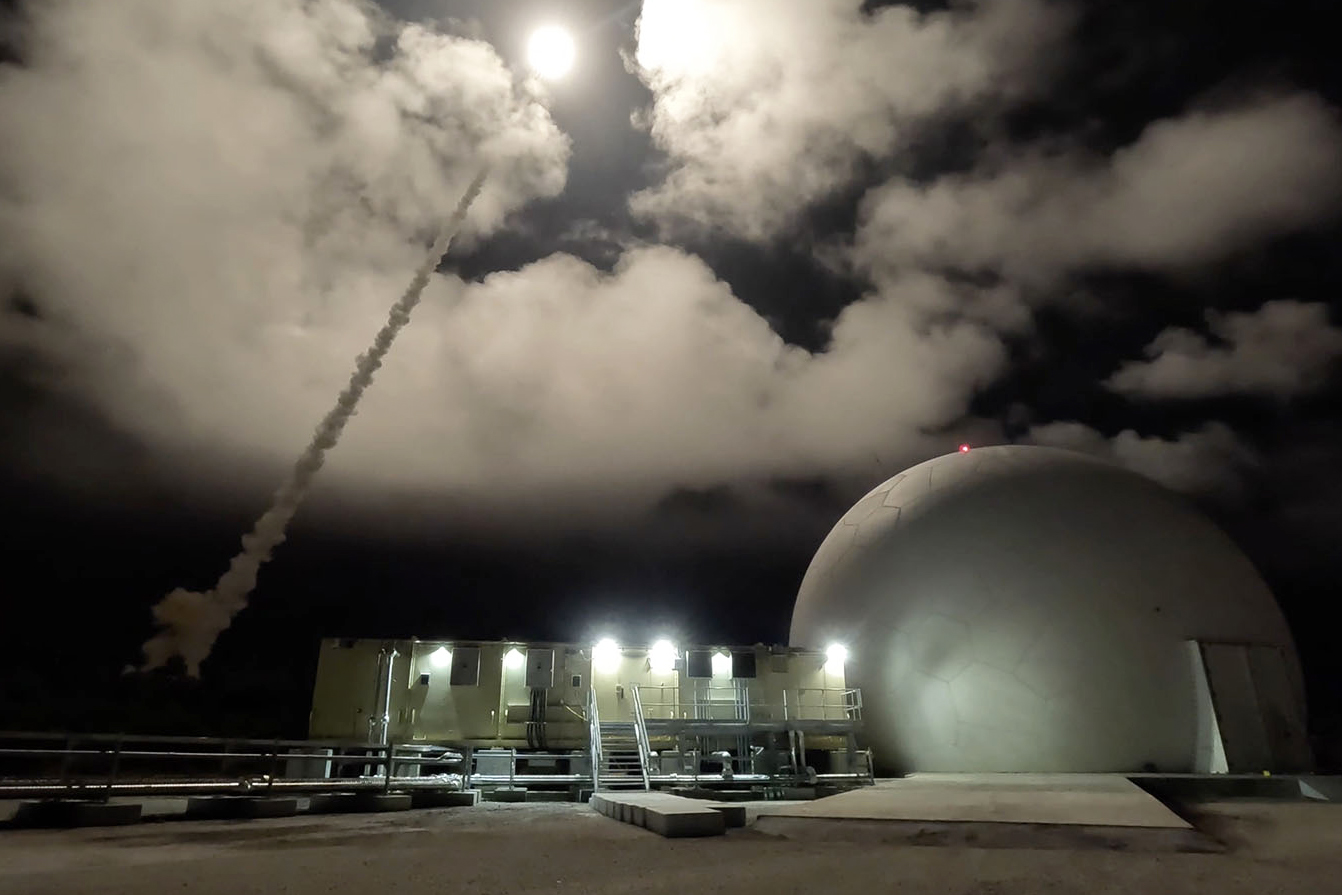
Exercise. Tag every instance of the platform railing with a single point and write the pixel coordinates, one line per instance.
(839, 704)
(641, 736)
(594, 737)
(99, 766)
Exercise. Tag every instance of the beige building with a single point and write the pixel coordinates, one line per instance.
(645, 713)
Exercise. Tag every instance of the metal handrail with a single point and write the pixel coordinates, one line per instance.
(179, 767)
(77, 736)
(641, 737)
(594, 737)
(843, 702)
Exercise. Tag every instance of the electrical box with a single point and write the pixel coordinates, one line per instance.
(540, 668)
(496, 762)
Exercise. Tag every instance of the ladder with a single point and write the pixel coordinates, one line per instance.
(621, 757)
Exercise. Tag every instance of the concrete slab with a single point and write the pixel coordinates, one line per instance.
(1321, 788)
(1184, 788)
(953, 834)
(667, 815)
(1095, 800)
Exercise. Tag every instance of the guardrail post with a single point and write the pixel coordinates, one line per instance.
(66, 761)
(112, 772)
(390, 750)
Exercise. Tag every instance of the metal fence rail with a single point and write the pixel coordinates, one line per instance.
(717, 703)
(99, 766)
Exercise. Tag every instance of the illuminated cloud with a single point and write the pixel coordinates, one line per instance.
(1210, 461)
(1283, 349)
(1188, 192)
(766, 106)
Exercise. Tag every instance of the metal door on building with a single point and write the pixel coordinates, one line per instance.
(1260, 718)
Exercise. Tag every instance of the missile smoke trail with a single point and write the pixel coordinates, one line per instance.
(189, 622)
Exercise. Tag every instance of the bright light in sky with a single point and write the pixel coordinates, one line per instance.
(550, 52)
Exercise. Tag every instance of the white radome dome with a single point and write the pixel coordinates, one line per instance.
(1023, 608)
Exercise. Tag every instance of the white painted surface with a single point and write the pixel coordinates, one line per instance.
(1028, 609)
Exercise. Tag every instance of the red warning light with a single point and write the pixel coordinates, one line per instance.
(964, 448)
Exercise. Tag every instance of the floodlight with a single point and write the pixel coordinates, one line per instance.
(662, 657)
(606, 656)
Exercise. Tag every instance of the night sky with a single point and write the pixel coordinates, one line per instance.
(748, 259)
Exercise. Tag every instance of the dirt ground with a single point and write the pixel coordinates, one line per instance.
(496, 849)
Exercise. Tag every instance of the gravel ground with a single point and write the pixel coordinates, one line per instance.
(556, 848)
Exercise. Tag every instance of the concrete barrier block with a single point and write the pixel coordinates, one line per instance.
(77, 814)
(430, 798)
(508, 794)
(732, 815)
(677, 825)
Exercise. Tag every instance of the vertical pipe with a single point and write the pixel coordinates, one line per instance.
(382, 713)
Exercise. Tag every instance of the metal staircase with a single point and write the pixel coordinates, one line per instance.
(622, 764)
(619, 750)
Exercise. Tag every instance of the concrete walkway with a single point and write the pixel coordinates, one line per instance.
(1091, 800)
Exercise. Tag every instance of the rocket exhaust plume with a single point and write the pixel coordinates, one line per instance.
(189, 622)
